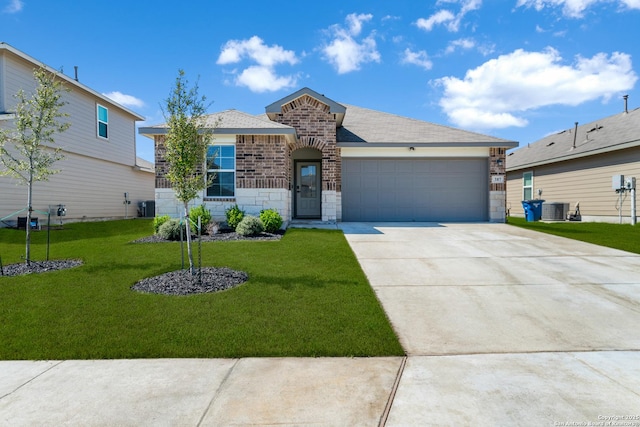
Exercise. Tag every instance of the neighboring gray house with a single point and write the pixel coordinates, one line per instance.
(311, 157)
(577, 165)
(100, 163)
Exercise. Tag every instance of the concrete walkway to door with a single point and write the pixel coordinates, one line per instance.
(505, 326)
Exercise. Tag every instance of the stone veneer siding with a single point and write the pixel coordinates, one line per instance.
(497, 190)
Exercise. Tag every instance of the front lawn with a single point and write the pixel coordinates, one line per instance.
(619, 236)
(306, 296)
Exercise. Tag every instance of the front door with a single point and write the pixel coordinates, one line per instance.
(308, 186)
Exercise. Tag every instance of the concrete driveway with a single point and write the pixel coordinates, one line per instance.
(504, 325)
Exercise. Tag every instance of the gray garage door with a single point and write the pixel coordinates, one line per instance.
(415, 189)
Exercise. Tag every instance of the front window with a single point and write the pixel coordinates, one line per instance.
(103, 122)
(527, 186)
(221, 165)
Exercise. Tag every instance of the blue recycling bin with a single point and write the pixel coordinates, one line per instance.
(532, 209)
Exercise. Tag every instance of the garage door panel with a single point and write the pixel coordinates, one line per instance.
(415, 189)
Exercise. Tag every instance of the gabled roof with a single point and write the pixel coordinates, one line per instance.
(611, 133)
(334, 107)
(362, 126)
(8, 48)
(231, 122)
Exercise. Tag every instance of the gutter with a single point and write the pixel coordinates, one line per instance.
(502, 144)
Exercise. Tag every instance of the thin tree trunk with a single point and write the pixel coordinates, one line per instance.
(188, 231)
(28, 224)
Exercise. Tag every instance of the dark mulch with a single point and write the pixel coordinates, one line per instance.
(182, 282)
(38, 267)
(223, 235)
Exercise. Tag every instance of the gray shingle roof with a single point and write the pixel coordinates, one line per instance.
(362, 125)
(232, 121)
(608, 134)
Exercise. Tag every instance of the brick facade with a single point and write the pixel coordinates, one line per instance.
(316, 128)
(262, 161)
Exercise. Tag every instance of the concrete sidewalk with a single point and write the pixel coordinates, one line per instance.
(197, 392)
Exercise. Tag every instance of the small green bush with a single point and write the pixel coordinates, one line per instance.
(170, 230)
(271, 220)
(158, 221)
(249, 226)
(205, 218)
(234, 215)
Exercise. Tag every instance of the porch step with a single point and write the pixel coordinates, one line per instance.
(312, 223)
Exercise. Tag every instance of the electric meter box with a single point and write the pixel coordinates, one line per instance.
(630, 183)
(617, 182)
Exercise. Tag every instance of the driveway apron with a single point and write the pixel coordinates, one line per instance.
(501, 324)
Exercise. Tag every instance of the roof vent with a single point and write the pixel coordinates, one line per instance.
(550, 144)
(626, 98)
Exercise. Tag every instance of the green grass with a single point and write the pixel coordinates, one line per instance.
(619, 236)
(306, 296)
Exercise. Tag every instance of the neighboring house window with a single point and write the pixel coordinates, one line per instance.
(527, 186)
(103, 122)
(221, 164)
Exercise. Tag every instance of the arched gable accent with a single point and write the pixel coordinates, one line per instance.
(309, 142)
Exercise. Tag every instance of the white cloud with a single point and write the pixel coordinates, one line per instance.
(346, 53)
(126, 100)
(355, 22)
(464, 44)
(447, 18)
(14, 6)
(254, 48)
(420, 59)
(261, 77)
(492, 95)
(574, 8)
(439, 17)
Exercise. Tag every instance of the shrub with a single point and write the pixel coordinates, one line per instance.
(271, 220)
(234, 216)
(205, 218)
(170, 230)
(158, 221)
(249, 226)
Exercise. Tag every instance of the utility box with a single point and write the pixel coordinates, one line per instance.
(630, 183)
(617, 182)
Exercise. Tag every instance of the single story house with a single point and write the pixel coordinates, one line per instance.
(310, 157)
(576, 166)
(100, 163)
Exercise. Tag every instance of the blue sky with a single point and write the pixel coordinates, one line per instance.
(516, 69)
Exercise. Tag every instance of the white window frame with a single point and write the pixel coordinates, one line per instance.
(525, 187)
(98, 122)
(217, 171)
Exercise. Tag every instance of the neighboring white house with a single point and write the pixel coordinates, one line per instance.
(311, 157)
(100, 163)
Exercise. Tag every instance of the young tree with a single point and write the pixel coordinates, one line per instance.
(186, 142)
(32, 138)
